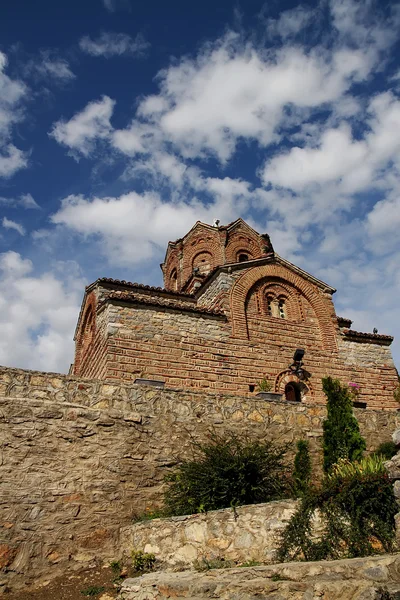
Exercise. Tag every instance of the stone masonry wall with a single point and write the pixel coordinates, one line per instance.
(250, 533)
(198, 351)
(369, 578)
(80, 457)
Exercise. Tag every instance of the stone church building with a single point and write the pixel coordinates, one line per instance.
(231, 313)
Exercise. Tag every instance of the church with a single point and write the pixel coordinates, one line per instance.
(231, 314)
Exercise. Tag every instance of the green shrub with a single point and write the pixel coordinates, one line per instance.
(302, 469)
(206, 564)
(142, 562)
(148, 515)
(396, 394)
(342, 438)
(227, 471)
(387, 450)
(356, 505)
(93, 590)
(264, 385)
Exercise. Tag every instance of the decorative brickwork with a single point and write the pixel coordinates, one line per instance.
(321, 305)
(206, 247)
(242, 323)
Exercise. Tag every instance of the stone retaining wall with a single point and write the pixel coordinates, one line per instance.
(249, 533)
(79, 458)
(354, 579)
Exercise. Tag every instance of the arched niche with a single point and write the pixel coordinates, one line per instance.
(203, 261)
(292, 388)
(321, 306)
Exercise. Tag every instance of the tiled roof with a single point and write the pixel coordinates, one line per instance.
(132, 298)
(344, 322)
(140, 286)
(378, 337)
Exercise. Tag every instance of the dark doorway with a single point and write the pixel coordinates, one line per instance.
(292, 392)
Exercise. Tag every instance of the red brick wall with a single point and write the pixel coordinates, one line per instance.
(227, 354)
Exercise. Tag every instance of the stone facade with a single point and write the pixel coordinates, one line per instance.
(248, 533)
(80, 457)
(247, 312)
(371, 578)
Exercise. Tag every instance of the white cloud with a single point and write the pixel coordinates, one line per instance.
(110, 5)
(12, 93)
(109, 44)
(23, 201)
(39, 312)
(354, 164)
(291, 22)
(48, 65)
(82, 131)
(9, 224)
(12, 159)
(136, 227)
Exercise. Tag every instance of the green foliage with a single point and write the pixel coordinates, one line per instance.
(384, 594)
(206, 564)
(344, 470)
(93, 590)
(302, 469)
(387, 450)
(148, 515)
(227, 472)
(250, 563)
(396, 394)
(142, 562)
(342, 438)
(356, 505)
(264, 385)
(115, 566)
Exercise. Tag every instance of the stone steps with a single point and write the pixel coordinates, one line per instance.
(351, 579)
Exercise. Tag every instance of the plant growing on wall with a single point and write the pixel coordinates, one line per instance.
(302, 469)
(342, 438)
(396, 394)
(387, 450)
(356, 507)
(264, 385)
(227, 471)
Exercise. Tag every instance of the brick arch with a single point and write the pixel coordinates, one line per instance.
(243, 286)
(171, 265)
(285, 377)
(87, 331)
(207, 242)
(242, 243)
(277, 287)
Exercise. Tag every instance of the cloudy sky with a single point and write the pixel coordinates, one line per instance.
(123, 122)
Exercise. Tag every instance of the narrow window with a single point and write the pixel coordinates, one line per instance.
(243, 257)
(174, 280)
(269, 306)
(292, 392)
(281, 307)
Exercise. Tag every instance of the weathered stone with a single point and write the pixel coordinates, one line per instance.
(64, 478)
(353, 579)
(396, 437)
(246, 533)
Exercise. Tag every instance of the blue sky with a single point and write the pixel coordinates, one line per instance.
(123, 122)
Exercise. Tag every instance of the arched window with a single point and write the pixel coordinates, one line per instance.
(270, 300)
(281, 308)
(203, 262)
(242, 257)
(275, 305)
(174, 280)
(87, 331)
(292, 392)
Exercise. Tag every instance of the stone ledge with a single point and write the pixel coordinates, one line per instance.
(352, 579)
(246, 533)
